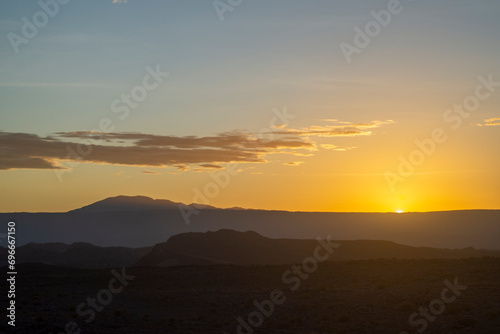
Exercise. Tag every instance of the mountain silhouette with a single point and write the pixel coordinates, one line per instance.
(140, 221)
(133, 203)
(251, 248)
(128, 203)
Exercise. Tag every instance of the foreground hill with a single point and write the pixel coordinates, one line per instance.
(142, 222)
(250, 248)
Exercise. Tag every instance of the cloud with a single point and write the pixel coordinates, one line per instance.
(342, 129)
(206, 167)
(65, 150)
(120, 1)
(182, 167)
(211, 166)
(150, 172)
(329, 146)
(224, 141)
(294, 163)
(335, 147)
(490, 122)
(22, 150)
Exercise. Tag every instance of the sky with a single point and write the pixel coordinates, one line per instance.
(365, 106)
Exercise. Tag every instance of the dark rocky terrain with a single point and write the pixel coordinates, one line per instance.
(361, 297)
(77, 255)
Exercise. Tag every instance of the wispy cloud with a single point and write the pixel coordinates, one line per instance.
(336, 148)
(30, 151)
(495, 121)
(211, 166)
(120, 1)
(150, 172)
(341, 129)
(293, 163)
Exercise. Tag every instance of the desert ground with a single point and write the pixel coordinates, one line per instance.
(365, 296)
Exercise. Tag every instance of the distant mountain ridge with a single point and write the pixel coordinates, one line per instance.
(139, 221)
(128, 203)
(133, 203)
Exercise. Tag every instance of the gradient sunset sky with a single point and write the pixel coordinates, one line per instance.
(347, 125)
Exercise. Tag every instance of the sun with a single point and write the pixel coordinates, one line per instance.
(399, 211)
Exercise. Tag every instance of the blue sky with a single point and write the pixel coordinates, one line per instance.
(229, 75)
(103, 48)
